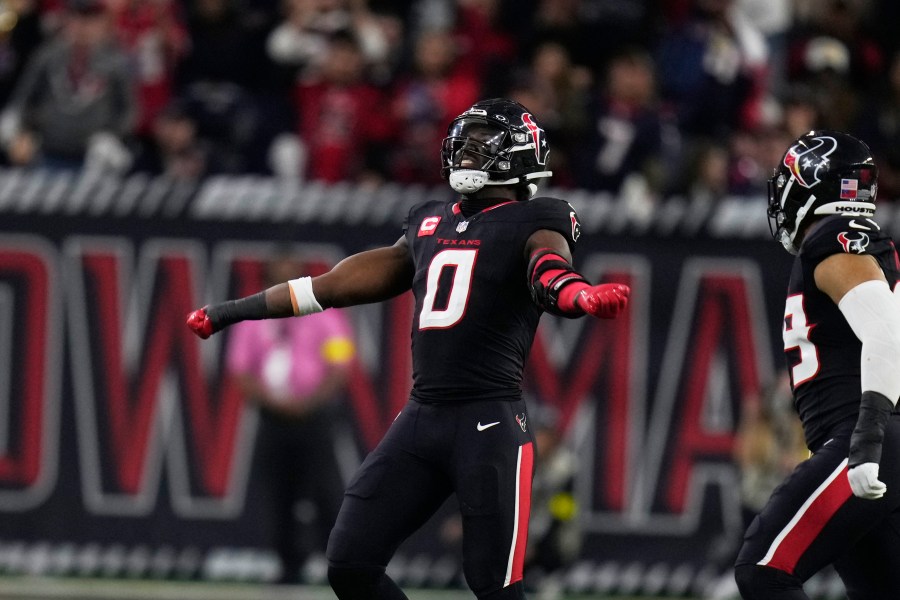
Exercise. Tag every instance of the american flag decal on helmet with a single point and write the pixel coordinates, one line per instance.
(849, 188)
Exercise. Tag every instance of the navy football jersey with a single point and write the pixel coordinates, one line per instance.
(822, 350)
(475, 321)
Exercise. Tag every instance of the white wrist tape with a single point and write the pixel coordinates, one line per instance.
(873, 313)
(302, 297)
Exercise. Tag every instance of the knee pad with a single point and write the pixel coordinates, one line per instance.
(766, 583)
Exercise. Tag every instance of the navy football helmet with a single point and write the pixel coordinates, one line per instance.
(495, 142)
(822, 173)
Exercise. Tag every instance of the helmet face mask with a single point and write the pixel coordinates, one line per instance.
(495, 142)
(474, 144)
(822, 173)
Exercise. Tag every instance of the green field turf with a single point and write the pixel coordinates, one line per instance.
(28, 588)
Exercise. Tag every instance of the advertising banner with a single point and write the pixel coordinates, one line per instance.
(125, 446)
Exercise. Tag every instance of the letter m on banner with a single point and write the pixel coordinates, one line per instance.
(142, 398)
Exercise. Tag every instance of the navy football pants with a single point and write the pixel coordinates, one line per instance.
(813, 519)
(483, 452)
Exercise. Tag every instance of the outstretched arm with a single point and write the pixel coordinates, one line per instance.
(369, 276)
(858, 286)
(559, 289)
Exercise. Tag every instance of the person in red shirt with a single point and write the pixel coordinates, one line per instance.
(437, 90)
(295, 372)
(154, 37)
(342, 120)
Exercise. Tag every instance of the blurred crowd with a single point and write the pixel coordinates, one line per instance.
(650, 98)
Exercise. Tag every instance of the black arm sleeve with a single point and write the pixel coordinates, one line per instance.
(865, 442)
(251, 308)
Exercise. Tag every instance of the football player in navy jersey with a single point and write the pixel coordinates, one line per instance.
(482, 270)
(842, 341)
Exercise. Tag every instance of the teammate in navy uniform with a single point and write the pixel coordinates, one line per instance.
(482, 270)
(842, 341)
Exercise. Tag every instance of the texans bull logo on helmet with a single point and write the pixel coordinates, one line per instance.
(536, 136)
(576, 225)
(806, 162)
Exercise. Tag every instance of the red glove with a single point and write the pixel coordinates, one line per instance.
(200, 324)
(605, 301)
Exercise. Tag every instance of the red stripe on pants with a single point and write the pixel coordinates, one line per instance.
(523, 512)
(811, 523)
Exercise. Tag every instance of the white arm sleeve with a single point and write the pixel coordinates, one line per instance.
(873, 313)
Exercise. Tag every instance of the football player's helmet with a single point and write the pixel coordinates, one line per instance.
(495, 142)
(822, 173)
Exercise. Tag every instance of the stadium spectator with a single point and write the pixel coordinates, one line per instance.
(773, 18)
(723, 65)
(826, 72)
(438, 89)
(591, 30)
(173, 148)
(747, 173)
(295, 372)
(832, 52)
(344, 121)
(834, 35)
(712, 68)
(20, 35)
(222, 78)
(630, 133)
(300, 41)
(485, 45)
(556, 21)
(800, 111)
(155, 39)
(879, 124)
(708, 176)
(559, 91)
(224, 47)
(74, 105)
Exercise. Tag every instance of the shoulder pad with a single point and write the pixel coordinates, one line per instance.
(558, 215)
(840, 233)
(415, 214)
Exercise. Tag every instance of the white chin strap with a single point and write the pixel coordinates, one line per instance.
(467, 181)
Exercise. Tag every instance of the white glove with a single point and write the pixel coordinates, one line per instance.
(864, 481)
